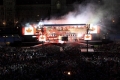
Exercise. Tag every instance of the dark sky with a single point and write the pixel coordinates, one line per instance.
(22, 2)
(1, 2)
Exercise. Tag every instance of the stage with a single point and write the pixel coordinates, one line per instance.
(26, 44)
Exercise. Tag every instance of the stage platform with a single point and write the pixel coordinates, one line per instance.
(92, 42)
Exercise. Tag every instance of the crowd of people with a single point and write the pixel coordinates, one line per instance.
(49, 62)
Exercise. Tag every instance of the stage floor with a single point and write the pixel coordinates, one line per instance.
(92, 42)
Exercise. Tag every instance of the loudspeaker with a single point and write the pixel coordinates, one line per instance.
(64, 38)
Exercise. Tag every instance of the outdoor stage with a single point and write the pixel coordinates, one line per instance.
(90, 42)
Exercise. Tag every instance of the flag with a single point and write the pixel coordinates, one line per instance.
(29, 31)
(88, 37)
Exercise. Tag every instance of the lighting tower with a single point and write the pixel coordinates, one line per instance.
(88, 27)
(40, 26)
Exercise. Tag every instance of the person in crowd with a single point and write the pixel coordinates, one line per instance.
(48, 62)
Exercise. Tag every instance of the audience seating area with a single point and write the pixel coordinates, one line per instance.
(47, 62)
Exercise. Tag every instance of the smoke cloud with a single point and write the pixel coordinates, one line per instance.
(88, 13)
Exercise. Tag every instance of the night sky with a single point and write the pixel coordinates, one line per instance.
(23, 2)
(26, 2)
(1, 2)
(116, 16)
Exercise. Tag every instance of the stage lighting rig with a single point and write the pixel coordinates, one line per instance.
(40, 25)
(88, 28)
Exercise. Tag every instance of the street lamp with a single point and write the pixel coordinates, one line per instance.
(4, 23)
